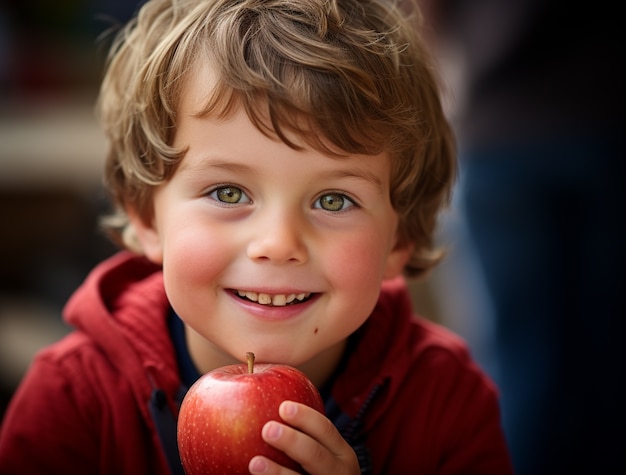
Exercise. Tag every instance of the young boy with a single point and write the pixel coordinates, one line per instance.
(277, 167)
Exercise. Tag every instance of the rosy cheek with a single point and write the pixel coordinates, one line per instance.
(356, 262)
(191, 260)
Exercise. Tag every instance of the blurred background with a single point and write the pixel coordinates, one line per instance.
(51, 154)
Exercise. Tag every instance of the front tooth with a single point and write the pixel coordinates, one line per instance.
(265, 299)
(279, 300)
(252, 296)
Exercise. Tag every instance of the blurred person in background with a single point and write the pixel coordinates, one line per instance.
(538, 111)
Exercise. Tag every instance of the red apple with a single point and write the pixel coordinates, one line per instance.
(221, 416)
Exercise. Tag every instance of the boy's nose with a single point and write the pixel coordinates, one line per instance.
(278, 239)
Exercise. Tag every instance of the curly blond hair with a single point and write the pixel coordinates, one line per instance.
(352, 73)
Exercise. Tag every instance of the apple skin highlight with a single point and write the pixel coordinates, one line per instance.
(222, 414)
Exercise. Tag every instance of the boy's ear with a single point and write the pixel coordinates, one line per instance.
(396, 260)
(147, 237)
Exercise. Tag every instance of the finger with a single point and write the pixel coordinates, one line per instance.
(313, 441)
(260, 465)
(308, 452)
(311, 422)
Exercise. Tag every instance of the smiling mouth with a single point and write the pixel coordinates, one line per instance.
(276, 300)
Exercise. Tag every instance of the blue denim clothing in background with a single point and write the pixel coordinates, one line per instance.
(537, 230)
(544, 223)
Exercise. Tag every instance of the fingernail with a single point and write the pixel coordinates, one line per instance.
(289, 409)
(258, 465)
(273, 431)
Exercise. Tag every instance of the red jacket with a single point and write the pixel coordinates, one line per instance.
(82, 408)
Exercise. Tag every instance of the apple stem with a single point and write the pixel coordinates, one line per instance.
(250, 358)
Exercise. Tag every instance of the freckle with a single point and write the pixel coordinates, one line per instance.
(315, 331)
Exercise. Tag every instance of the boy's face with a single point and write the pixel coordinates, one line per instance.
(247, 215)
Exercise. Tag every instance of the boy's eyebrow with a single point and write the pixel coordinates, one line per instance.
(210, 163)
(358, 173)
(353, 172)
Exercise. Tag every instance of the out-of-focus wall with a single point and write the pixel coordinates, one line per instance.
(51, 154)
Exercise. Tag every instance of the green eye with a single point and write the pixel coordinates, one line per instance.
(334, 202)
(229, 195)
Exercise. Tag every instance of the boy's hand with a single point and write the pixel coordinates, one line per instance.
(310, 439)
